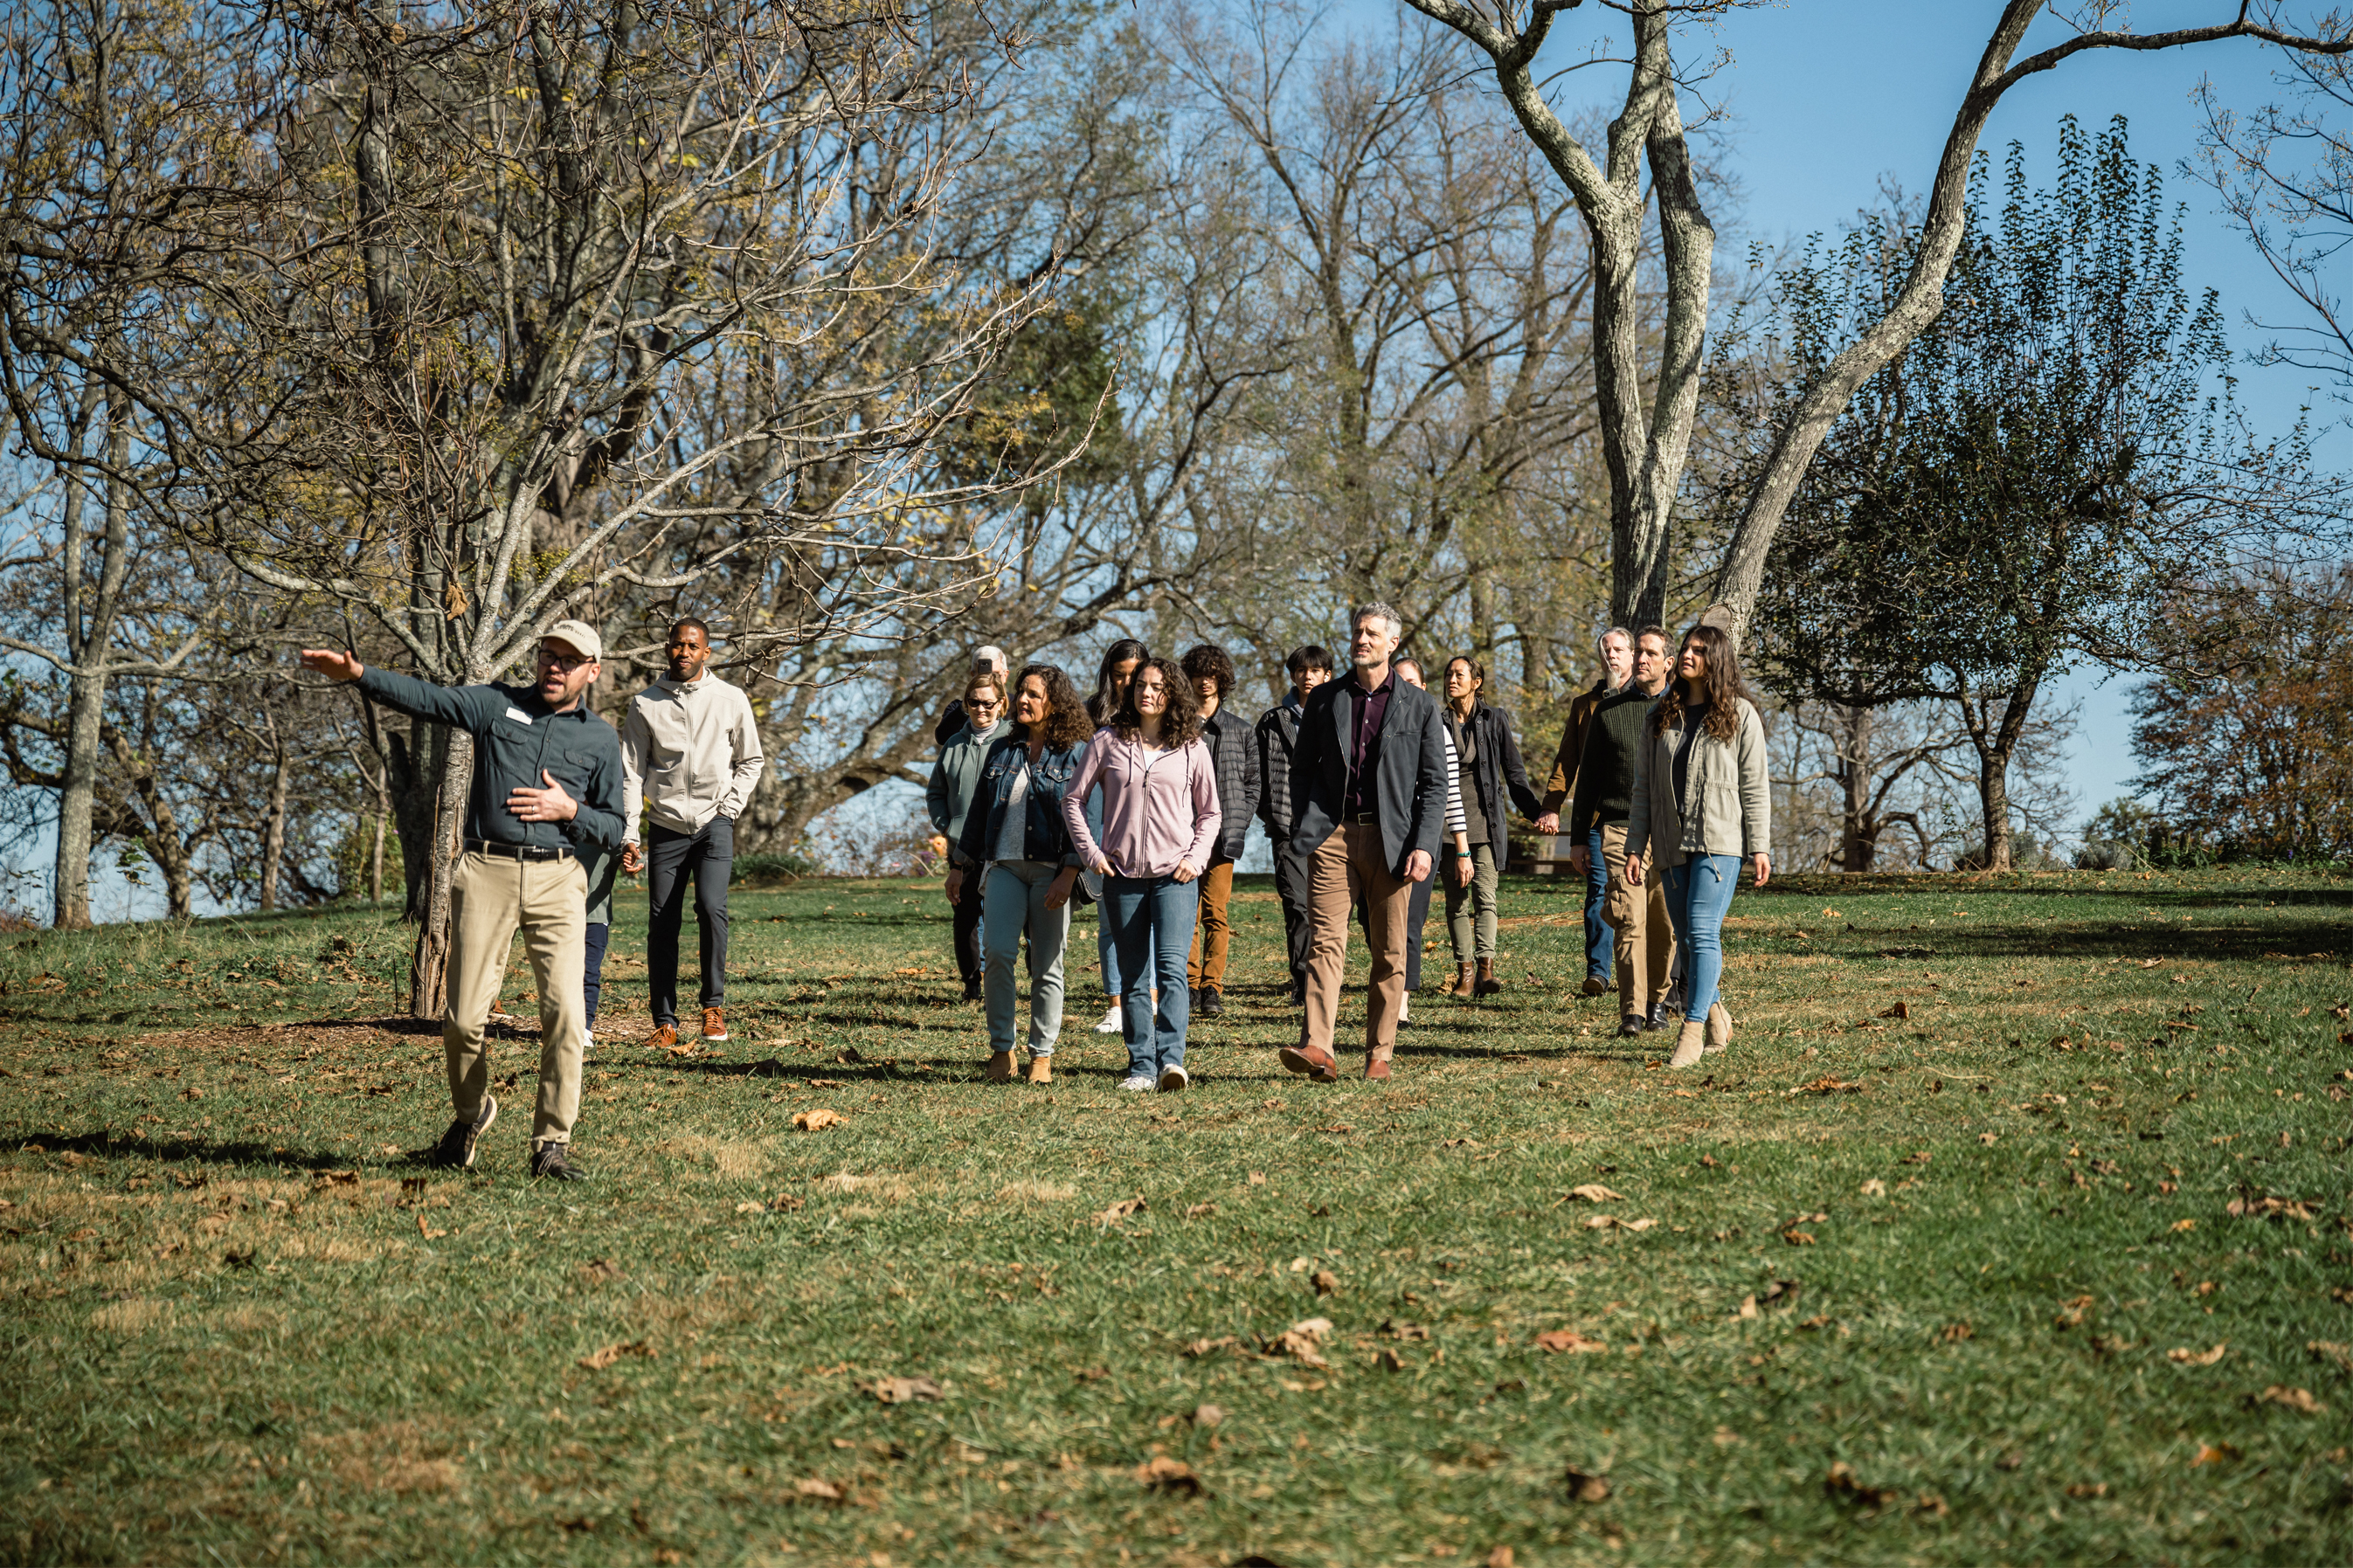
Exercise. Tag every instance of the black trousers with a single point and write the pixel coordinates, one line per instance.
(964, 924)
(1292, 874)
(708, 856)
(592, 972)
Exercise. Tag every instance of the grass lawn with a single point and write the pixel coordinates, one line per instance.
(2014, 1228)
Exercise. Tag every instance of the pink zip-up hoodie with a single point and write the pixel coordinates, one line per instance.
(1159, 806)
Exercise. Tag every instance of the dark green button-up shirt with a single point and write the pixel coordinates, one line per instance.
(516, 736)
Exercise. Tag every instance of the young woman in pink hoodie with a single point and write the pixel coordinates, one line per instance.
(1159, 823)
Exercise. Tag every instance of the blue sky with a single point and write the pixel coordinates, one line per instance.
(1823, 99)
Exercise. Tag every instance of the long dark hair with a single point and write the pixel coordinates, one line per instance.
(1721, 688)
(1180, 726)
(1100, 707)
(1066, 723)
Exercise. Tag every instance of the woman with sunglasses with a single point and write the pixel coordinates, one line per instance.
(1160, 820)
(954, 778)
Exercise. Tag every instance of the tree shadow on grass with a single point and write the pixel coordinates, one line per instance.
(109, 1145)
(2284, 944)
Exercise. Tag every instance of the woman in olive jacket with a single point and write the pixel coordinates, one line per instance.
(1701, 806)
(1015, 833)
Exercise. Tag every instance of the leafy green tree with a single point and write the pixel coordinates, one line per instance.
(2031, 481)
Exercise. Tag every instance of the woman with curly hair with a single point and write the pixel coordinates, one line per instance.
(1014, 832)
(1160, 821)
(1701, 806)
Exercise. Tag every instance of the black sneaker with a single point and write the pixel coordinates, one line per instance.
(972, 989)
(455, 1150)
(550, 1161)
(1209, 1003)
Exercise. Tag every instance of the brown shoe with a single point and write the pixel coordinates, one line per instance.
(1486, 984)
(1594, 986)
(1042, 1069)
(1000, 1066)
(1462, 987)
(714, 1025)
(1312, 1060)
(1376, 1069)
(663, 1038)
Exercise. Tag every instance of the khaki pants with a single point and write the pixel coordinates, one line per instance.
(1646, 939)
(1347, 866)
(1214, 935)
(489, 898)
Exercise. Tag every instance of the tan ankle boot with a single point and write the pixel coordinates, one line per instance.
(1000, 1066)
(1719, 1027)
(1462, 987)
(1486, 984)
(1691, 1045)
(1042, 1069)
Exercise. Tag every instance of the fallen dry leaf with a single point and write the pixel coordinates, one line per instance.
(597, 1361)
(2086, 1489)
(1201, 1211)
(426, 1231)
(2294, 1398)
(1555, 1340)
(1388, 1360)
(1842, 1484)
(1501, 1557)
(1161, 1473)
(905, 1390)
(2336, 1355)
(816, 1491)
(1828, 1085)
(1874, 1188)
(599, 1269)
(1207, 1415)
(825, 1083)
(1587, 1487)
(1390, 1327)
(1211, 1347)
(1901, 1010)
(1780, 1293)
(1919, 1158)
(817, 1120)
(1954, 1333)
(2183, 1355)
(1748, 1307)
(2214, 1454)
(754, 1206)
(1121, 1210)
(1326, 1283)
(1595, 1193)
(2266, 1207)
(1986, 1137)
(2071, 1313)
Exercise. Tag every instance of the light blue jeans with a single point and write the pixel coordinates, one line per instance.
(1699, 893)
(1014, 899)
(1151, 920)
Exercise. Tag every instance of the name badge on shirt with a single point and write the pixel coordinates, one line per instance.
(518, 715)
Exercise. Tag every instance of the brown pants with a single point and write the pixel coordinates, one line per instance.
(1646, 939)
(1213, 933)
(489, 896)
(1347, 866)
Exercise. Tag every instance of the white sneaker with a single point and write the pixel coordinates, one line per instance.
(587, 1043)
(1137, 1085)
(1112, 1024)
(1172, 1078)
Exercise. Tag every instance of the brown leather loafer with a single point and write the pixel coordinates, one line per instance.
(664, 1036)
(1376, 1069)
(1317, 1063)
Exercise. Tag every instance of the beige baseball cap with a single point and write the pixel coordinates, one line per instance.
(578, 636)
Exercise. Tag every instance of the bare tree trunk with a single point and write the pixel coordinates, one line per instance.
(273, 829)
(429, 970)
(375, 857)
(89, 634)
(1996, 725)
(1858, 842)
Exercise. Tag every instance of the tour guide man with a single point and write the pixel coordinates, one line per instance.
(547, 783)
(1370, 778)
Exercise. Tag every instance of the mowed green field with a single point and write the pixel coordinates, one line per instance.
(2014, 1228)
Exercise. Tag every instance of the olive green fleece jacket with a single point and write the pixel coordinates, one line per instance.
(1730, 798)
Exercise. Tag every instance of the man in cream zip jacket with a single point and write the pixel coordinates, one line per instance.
(690, 757)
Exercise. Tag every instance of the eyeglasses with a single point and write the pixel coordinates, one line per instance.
(567, 661)
(976, 703)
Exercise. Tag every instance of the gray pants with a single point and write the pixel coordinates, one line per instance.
(1013, 899)
(1472, 928)
(708, 856)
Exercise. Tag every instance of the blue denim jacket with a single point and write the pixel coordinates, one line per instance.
(1045, 838)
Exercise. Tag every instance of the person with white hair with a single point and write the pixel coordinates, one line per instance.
(1616, 648)
(987, 658)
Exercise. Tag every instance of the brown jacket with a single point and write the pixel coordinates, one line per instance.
(1562, 786)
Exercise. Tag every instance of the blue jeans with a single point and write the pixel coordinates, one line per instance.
(1151, 920)
(1600, 942)
(1013, 900)
(1699, 892)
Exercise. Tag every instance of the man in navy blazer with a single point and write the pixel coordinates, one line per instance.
(1370, 775)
